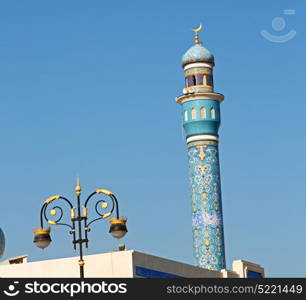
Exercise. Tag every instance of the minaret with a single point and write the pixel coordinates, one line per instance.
(201, 121)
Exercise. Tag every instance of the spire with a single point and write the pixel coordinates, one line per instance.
(196, 38)
(78, 186)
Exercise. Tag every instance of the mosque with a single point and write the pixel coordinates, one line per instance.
(201, 119)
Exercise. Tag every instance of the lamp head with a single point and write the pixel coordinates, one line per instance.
(118, 227)
(42, 237)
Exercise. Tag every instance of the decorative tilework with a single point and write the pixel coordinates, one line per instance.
(207, 223)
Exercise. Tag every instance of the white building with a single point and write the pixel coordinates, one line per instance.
(121, 264)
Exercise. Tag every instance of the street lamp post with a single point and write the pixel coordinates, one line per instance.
(79, 220)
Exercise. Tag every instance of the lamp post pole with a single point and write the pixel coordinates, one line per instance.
(79, 218)
(118, 224)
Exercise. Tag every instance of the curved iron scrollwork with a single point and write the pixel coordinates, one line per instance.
(79, 218)
(54, 211)
(58, 209)
(104, 205)
(114, 205)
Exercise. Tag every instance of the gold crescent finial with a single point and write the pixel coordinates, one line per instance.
(197, 30)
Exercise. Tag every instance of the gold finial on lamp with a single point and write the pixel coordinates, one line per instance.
(78, 187)
(196, 38)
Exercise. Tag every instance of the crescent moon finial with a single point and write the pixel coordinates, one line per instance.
(197, 30)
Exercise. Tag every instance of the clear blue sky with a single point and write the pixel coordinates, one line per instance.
(89, 87)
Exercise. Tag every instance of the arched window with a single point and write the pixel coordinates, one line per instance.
(191, 80)
(209, 81)
(203, 112)
(212, 113)
(186, 115)
(199, 79)
(193, 114)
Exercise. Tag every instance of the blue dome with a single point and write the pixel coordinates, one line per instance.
(197, 53)
(2, 242)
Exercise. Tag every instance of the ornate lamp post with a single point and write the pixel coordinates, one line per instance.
(79, 220)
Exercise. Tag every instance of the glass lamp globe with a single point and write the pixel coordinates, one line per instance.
(42, 238)
(118, 227)
(2, 243)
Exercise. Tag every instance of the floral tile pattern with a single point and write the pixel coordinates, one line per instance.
(207, 222)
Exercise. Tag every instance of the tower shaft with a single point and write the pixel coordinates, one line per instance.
(201, 122)
(207, 223)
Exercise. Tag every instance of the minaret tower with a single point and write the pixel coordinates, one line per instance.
(201, 121)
